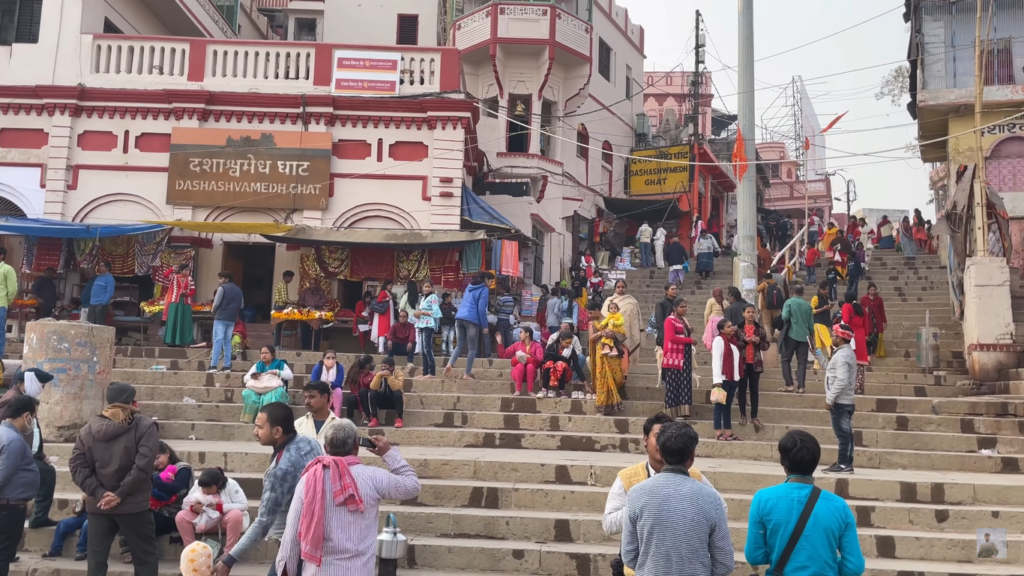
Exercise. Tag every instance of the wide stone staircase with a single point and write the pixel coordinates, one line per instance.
(517, 485)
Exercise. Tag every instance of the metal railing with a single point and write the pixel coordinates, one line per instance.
(790, 254)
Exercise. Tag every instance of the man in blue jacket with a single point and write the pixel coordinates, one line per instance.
(774, 511)
(101, 295)
(470, 321)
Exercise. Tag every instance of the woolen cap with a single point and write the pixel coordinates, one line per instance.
(120, 393)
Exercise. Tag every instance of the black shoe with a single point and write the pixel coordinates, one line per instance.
(44, 523)
(846, 470)
(834, 469)
(81, 557)
(52, 554)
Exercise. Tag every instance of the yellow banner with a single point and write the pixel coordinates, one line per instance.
(659, 171)
(1004, 125)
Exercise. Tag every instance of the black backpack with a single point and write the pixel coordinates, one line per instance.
(774, 298)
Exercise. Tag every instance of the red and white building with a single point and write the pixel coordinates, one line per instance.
(90, 92)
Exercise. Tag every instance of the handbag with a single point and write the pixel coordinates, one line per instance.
(380, 307)
(214, 544)
(265, 383)
(798, 530)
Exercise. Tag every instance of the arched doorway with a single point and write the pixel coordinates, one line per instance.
(1005, 165)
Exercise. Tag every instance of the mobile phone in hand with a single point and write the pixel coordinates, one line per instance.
(366, 443)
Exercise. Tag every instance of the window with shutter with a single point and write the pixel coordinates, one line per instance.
(30, 16)
(604, 60)
(408, 30)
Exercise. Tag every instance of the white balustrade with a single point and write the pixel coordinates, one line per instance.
(260, 63)
(419, 72)
(137, 58)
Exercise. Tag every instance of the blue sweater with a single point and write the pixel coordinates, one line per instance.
(339, 374)
(831, 528)
(102, 290)
(474, 305)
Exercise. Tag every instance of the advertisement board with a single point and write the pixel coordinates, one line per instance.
(659, 171)
(364, 73)
(249, 168)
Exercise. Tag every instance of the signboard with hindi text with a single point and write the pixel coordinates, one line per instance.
(659, 171)
(249, 168)
(367, 73)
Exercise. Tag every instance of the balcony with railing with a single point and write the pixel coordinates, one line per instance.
(581, 9)
(947, 50)
(522, 22)
(117, 61)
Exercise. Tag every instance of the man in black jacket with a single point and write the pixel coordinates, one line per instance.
(734, 312)
(112, 462)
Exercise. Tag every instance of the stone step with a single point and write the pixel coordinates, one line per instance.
(573, 469)
(34, 566)
(761, 450)
(432, 556)
(573, 426)
(585, 528)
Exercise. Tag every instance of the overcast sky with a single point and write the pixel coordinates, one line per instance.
(783, 24)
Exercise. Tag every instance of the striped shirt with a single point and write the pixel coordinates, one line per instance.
(506, 307)
(349, 537)
(676, 525)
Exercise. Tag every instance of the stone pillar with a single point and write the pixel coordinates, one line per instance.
(988, 318)
(80, 356)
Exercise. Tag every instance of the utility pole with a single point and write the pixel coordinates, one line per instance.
(745, 265)
(980, 201)
(694, 128)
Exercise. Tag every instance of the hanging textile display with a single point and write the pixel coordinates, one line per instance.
(496, 246)
(372, 263)
(42, 253)
(509, 258)
(473, 258)
(171, 258)
(310, 274)
(129, 255)
(411, 265)
(333, 261)
(445, 269)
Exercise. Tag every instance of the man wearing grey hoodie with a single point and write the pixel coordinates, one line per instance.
(112, 462)
(840, 379)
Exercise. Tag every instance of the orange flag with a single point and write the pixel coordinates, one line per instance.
(807, 143)
(739, 156)
(834, 122)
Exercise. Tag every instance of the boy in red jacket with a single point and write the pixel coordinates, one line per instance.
(811, 262)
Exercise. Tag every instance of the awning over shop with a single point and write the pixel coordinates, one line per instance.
(403, 239)
(476, 211)
(59, 229)
(226, 227)
(640, 209)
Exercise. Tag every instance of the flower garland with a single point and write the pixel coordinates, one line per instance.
(156, 306)
(292, 313)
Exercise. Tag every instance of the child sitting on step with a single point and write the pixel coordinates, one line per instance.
(67, 527)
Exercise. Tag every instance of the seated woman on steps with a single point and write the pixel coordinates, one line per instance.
(266, 382)
(172, 481)
(526, 356)
(215, 504)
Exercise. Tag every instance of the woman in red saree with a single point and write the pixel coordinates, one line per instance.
(587, 263)
(178, 307)
(382, 322)
(874, 307)
(361, 327)
(920, 233)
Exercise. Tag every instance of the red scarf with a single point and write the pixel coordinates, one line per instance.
(345, 492)
(727, 359)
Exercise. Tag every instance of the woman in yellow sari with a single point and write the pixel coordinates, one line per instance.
(826, 239)
(605, 371)
(630, 310)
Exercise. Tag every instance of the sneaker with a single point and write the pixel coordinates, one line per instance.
(836, 468)
(374, 423)
(575, 394)
(563, 395)
(80, 557)
(551, 394)
(211, 371)
(399, 423)
(846, 470)
(542, 394)
(226, 370)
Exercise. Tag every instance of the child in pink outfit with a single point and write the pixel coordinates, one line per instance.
(216, 503)
(526, 358)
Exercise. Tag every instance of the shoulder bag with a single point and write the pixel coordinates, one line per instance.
(798, 530)
(380, 307)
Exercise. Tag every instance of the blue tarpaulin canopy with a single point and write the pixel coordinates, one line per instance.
(476, 211)
(59, 229)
